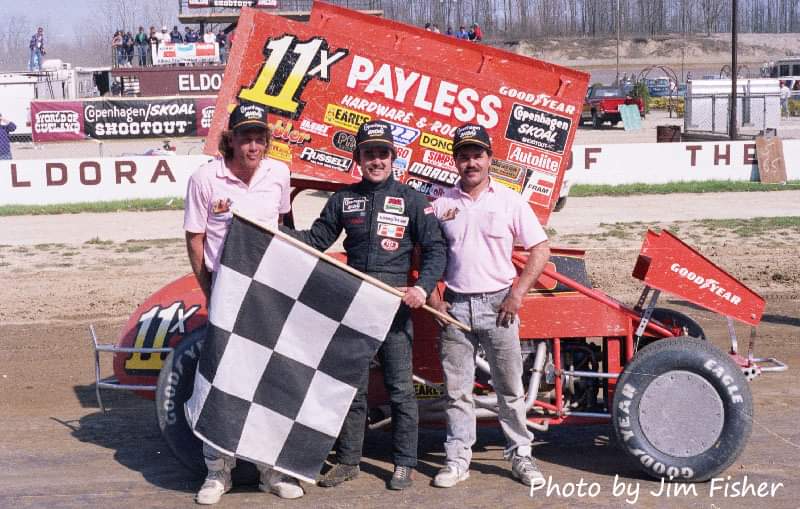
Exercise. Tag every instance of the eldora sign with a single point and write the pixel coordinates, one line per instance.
(49, 181)
(344, 68)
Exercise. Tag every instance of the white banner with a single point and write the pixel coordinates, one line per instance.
(50, 181)
(186, 52)
(659, 163)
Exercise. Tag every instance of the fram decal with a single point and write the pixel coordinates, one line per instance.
(391, 231)
(344, 118)
(394, 204)
(392, 219)
(289, 66)
(154, 329)
(350, 205)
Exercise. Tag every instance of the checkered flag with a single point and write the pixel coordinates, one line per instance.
(290, 336)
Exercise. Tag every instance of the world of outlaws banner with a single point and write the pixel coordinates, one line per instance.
(322, 79)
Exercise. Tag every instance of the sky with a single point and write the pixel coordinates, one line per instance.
(60, 16)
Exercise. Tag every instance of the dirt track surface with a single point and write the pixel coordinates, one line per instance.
(58, 450)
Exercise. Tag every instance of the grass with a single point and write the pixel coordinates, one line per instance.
(106, 206)
(753, 227)
(709, 186)
(98, 242)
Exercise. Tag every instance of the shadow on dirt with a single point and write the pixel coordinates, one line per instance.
(129, 428)
(791, 321)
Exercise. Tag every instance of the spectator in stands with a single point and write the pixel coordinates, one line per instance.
(462, 33)
(37, 50)
(209, 36)
(435, 29)
(222, 40)
(127, 42)
(6, 127)
(117, 50)
(175, 35)
(190, 35)
(449, 30)
(141, 40)
(475, 34)
(152, 44)
(786, 93)
(428, 27)
(163, 35)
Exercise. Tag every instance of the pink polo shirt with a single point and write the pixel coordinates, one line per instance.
(214, 192)
(481, 235)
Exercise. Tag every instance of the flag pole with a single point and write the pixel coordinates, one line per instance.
(366, 277)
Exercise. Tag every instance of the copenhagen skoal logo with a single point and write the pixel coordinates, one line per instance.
(712, 285)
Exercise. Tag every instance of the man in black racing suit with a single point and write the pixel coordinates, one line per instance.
(384, 220)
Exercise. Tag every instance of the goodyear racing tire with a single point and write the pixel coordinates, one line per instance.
(682, 410)
(174, 388)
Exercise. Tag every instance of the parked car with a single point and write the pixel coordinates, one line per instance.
(602, 105)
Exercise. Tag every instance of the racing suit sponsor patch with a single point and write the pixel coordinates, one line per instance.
(389, 244)
(383, 217)
(394, 204)
(391, 231)
(350, 205)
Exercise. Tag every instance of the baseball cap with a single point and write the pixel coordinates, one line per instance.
(248, 114)
(471, 134)
(375, 132)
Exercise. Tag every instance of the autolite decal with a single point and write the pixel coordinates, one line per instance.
(712, 285)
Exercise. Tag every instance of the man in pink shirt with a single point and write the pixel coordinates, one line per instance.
(243, 180)
(482, 220)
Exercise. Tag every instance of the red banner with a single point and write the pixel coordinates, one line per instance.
(322, 79)
(57, 121)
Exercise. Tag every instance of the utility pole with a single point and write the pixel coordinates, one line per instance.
(732, 126)
(616, 82)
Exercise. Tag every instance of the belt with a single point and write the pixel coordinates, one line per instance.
(452, 296)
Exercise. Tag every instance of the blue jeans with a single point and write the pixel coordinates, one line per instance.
(141, 52)
(457, 351)
(35, 62)
(395, 359)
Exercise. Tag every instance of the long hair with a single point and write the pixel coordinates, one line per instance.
(225, 146)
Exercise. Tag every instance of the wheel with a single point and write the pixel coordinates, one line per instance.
(596, 122)
(560, 203)
(672, 318)
(174, 388)
(682, 410)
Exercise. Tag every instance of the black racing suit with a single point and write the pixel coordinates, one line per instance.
(383, 223)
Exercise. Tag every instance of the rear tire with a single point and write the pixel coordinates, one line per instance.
(682, 410)
(596, 122)
(174, 388)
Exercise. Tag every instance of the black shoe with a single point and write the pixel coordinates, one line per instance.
(401, 479)
(338, 474)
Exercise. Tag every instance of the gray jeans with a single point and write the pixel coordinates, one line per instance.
(457, 351)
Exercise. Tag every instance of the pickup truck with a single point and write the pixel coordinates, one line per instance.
(602, 105)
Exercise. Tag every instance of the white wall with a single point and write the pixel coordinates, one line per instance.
(657, 163)
(43, 182)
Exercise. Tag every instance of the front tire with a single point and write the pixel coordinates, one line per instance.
(682, 410)
(597, 123)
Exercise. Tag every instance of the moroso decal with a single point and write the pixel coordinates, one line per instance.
(344, 141)
(538, 129)
(155, 327)
(394, 204)
(437, 143)
(344, 118)
(438, 175)
(389, 244)
(392, 219)
(287, 70)
(392, 231)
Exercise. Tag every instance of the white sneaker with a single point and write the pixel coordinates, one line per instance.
(525, 469)
(217, 483)
(449, 476)
(280, 484)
